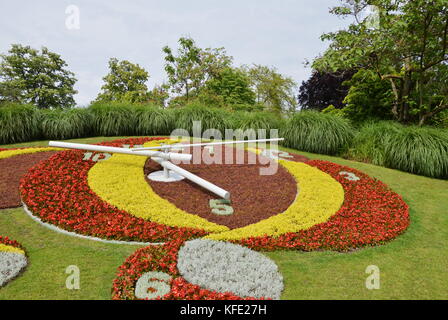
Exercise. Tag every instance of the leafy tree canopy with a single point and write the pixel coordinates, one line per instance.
(233, 86)
(125, 82)
(272, 89)
(192, 67)
(36, 77)
(407, 48)
(323, 89)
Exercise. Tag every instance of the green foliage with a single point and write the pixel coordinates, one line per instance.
(113, 118)
(368, 97)
(36, 77)
(211, 118)
(124, 83)
(369, 144)
(233, 86)
(255, 121)
(258, 107)
(192, 67)
(151, 120)
(317, 132)
(333, 111)
(62, 124)
(272, 89)
(406, 47)
(422, 151)
(18, 123)
(419, 150)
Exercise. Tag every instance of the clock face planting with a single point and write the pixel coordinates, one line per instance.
(306, 205)
(320, 204)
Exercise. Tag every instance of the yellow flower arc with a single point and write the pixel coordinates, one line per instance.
(11, 153)
(120, 181)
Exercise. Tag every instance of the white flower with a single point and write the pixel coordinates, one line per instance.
(11, 263)
(226, 267)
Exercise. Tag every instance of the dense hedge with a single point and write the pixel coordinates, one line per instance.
(422, 151)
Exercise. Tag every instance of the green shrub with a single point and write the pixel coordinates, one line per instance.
(370, 141)
(18, 123)
(317, 132)
(62, 124)
(422, 151)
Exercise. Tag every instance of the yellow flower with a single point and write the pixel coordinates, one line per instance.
(5, 248)
(10, 153)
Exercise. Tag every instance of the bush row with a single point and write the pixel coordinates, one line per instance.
(422, 151)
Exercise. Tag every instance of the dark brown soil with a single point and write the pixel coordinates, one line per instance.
(11, 171)
(254, 197)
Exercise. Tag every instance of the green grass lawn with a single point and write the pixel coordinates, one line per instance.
(414, 266)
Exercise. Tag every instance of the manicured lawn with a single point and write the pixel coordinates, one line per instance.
(414, 266)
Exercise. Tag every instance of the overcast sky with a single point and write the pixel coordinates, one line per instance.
(280, 33)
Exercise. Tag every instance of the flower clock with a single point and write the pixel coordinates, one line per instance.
(201, 246)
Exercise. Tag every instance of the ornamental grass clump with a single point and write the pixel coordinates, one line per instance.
(66, 123)
(371, 140)
(210, 118)
(152, 120)
(114, 118)
(422, 151)
(317, 132)
(256, 121)
(18, 123)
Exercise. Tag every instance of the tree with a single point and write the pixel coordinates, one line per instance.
(37, 77)
(192, 67)
(233, 86)
(368, 97)
(159, 95)
(323, 89)
(125, 82)
(272, 89)
(408, 49)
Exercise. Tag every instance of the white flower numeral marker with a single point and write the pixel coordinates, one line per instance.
(221, 207)
(152, 285)
(276, 154)
(96, 157)
(349, 176)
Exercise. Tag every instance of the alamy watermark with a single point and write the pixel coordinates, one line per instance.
(373, 280)
(72, 21)
(229, 155)
(73, 280)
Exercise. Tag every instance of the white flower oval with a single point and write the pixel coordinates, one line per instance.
(11, 263)
(226, 267)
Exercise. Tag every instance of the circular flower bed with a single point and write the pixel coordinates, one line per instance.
(152, 273)
(337, 208)
(12, 260)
